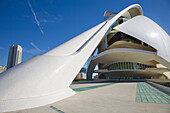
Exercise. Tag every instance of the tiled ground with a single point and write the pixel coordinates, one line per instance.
(148, 94)
(90, 87)
(130, 97)
(82, 87)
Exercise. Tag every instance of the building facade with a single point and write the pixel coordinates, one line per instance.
(14, 56)
(81, 75)
(124, 53)
(2, 69)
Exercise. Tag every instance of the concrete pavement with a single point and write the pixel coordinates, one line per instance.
(111, 98)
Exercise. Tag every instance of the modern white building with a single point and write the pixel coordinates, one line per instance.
(45, 79)
(129, 50)
(14, 56)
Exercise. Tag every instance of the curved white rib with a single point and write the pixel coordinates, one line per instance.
(149, 32)
(46, 78)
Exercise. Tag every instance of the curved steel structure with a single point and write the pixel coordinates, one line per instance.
(45, 79)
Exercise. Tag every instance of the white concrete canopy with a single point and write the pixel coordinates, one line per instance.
(149, 32)
(124, 55)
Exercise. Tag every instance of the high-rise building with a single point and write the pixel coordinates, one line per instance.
(14, 56)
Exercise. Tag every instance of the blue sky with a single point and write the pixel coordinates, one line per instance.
(40, 25)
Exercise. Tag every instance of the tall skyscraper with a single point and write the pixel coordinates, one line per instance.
(14, 56)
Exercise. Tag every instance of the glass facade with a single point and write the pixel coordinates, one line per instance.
(128, 66)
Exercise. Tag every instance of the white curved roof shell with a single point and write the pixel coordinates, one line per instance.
(149, 32)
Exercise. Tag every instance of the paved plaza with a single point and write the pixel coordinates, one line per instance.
(109, 97)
